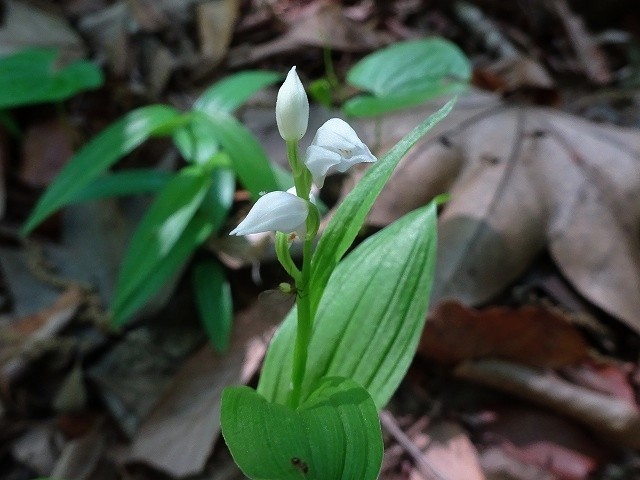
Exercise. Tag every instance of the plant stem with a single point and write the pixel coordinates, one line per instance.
(305, 324)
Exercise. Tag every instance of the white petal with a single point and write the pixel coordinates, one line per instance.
(292, 108)
(335, 148)
(275, 211)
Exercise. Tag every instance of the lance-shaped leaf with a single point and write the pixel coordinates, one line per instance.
(231, 92)
(334, 435)
(369, 321)
(248, 158)
(352, 212)
(159, 230)
(99, 154)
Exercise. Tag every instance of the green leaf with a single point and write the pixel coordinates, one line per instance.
(31, 76)
(213, 298)
(231, 92)
(334, 435)
(352, 212)
(322, 92)
(370, 106)
(407, 74)
(248, 158)
(194, 234)
(104, 150)
(219, 197)
(370, 319)
(195, 141)
(160, 229)
(130, 182)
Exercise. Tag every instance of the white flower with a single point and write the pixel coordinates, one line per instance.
(292, 108)
(335, 148)
(275, 211)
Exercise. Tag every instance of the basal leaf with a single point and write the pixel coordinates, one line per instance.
(99, 154)
(406, 74)
(248, 158)
(194, 234)
(334, 435)
(31, 76)
(350, 215)
(213, 298)
(195, 141)
(160, 229)
(231, 92)
(118, 184)
(369, 321)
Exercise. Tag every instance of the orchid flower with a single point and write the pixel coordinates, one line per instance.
(335, 148)
(275, 211)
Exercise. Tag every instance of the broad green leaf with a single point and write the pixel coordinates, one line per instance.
(213, 298)
(334, 435)
(160, 229)
(370, 319)
(370, 106)
(118, 184)
(231, 92)
(248, 158)
(194, 234)
(407, 74)
(350, 215)
(32, 76)
(99, 154)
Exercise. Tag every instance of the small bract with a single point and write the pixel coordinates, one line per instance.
(335, 148)
(292, 108)
(275, 211)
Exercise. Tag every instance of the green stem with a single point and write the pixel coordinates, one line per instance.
(305, 324)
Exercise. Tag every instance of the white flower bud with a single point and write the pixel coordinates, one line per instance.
(275, 211)
(335, 148)
(292, 108)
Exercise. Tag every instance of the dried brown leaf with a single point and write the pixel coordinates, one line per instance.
(521, 179)
(181, 431)
(616, 419)
(530, 335)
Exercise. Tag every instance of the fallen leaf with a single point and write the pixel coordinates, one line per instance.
(449, 451)
(530, 335)
(606, 377)
(80, 457)
(320, 24)
(522, 179)
(545, 440)
(47, 147)
(26, 26)
(180, 432)
(216, 21)
(616, 419)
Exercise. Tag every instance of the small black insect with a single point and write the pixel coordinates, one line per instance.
(300, 465)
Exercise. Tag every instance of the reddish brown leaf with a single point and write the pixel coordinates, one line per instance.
(530, 335)
(47, 147)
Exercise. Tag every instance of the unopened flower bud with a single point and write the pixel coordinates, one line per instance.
(292, 108)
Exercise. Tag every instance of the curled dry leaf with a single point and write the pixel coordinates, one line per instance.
(320, 24)
(530, 335)
(522, 179)
(613, 417)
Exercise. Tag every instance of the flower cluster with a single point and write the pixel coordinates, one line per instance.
(335, 148)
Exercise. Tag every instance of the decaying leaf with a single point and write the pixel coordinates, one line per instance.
(26, 26)
(521, 179)
(319, 24)
(530, 335)
(180, 432)
(616, 419)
